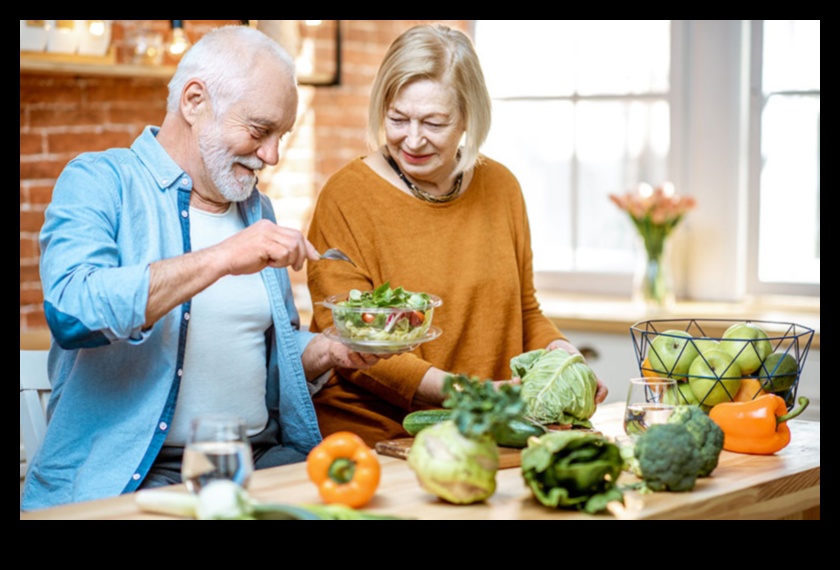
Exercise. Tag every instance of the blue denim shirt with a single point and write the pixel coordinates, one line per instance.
(115, 385)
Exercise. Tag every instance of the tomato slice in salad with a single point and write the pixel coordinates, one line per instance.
(416, 318)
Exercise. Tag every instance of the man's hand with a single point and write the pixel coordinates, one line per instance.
(265, 244)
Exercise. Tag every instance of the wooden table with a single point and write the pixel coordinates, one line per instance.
(785, 485)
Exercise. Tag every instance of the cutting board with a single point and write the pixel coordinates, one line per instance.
(508, 456)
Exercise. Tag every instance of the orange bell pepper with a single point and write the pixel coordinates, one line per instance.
(345, 470)
(758, 426)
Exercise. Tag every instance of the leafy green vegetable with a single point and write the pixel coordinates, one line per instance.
(668, 458)
(457, 459)
(385, 297)
(557, 387)
(480, 407)
(573, 470)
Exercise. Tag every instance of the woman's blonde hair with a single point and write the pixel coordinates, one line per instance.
(439, 53)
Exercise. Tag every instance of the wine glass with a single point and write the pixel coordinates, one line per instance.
(217, 448)
(649, 401)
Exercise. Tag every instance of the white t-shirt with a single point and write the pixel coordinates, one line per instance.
(225, 360)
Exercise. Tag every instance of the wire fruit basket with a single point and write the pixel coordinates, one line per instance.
(722, 360)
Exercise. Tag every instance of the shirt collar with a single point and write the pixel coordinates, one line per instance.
(165, 171)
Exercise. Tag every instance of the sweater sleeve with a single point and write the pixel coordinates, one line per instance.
(339, 221)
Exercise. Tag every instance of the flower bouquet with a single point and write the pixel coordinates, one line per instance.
(655, 212)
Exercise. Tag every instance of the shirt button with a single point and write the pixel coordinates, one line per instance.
(136, 476)
(163, 426)
(186, 316)
(184, 213)
(180, 372)
(164, 182)
(185, 181)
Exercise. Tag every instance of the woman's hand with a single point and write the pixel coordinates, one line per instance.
(322, 354)
(602, 391)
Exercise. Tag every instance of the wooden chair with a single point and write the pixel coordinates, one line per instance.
(34, 392)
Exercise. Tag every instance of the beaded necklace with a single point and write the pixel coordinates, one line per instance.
(422, 195)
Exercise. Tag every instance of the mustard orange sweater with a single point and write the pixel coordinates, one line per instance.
(473, 252)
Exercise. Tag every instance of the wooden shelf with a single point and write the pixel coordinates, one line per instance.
(106, 66)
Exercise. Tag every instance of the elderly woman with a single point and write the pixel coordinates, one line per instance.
(426, 211)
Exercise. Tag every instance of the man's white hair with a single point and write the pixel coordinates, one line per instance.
(223, 59)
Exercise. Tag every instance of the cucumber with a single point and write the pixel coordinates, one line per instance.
(415, 421)
(517, 432)
(514, 434)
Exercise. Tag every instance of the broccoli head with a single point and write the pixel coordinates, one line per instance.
(707, 434)
(668, 458)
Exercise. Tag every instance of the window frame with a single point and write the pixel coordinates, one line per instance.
(757, 102)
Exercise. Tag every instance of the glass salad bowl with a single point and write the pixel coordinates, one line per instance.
(382, 321)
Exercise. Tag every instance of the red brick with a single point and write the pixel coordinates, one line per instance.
(31, 143)
(148, 114)
(29, 248)
(29, 273)
(41, 169)
(40, 194)
(70, 116)
(78, 142)
(31, 221)
(31, 297)
(127, 90)
(49, 89)
(36, 320)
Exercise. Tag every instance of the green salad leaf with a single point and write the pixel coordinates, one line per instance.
(384, 297)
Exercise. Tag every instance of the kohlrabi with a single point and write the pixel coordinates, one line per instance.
(457, 459)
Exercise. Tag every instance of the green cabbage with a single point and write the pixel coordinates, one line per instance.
(557, 387)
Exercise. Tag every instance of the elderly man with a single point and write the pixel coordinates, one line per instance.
(166, 288)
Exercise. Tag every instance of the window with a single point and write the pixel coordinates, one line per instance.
(785, 165)
(576, 119)
(726, 109)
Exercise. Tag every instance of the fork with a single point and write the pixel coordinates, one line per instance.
(335, 253)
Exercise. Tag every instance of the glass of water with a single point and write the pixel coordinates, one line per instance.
(649, 401)
(217, 448)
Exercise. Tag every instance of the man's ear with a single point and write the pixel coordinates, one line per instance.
(194, 100)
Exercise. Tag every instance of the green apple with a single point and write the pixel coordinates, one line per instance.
(714, 377)
(778, 372)
(747, 344)
(671, 353)
(704, 344)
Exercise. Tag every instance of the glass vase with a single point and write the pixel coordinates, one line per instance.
(653, 285)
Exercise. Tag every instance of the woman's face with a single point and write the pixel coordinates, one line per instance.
(423, 129)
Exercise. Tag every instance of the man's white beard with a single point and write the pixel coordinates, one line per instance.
(220, 162)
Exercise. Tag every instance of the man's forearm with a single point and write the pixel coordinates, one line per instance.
(176, 280)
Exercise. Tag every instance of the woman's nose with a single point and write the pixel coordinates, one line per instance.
(415, 137)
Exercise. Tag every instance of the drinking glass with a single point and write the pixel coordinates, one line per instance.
(649, 401)
(217, 448)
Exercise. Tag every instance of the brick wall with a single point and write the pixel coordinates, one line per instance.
(62, 115)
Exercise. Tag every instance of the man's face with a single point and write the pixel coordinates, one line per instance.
(233, 175)
(246, 137)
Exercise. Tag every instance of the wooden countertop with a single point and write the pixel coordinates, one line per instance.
(784, 485)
